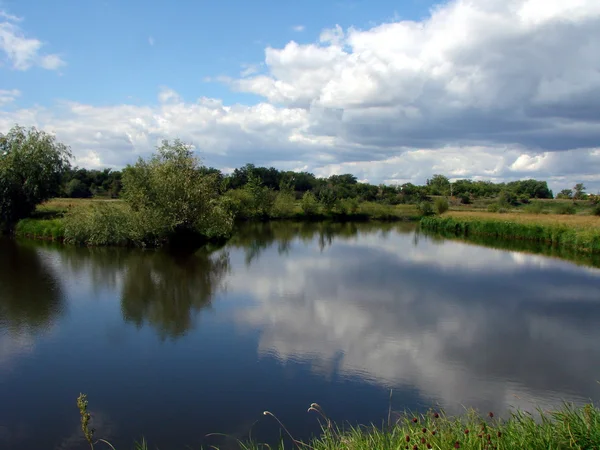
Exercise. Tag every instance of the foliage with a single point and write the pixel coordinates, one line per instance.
(53, 229)
(438, 185)
(565, 194)
(565, 209)
(440, 206)
(31, 165)
(262, 198)
(171, 192)
(310, 205)
(425, 208)
(77, 189)
(573, 235)
(101, 224)
(284, 205)
(535, 208)
(596, 210)
(568, 427)
(579, 191)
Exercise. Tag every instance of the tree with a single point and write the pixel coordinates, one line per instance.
(439, 185)
(172, 195)
(565, 194)
(76, 189)
(579, 190)
(32, 163)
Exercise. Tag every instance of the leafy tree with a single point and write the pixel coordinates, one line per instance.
(32, 163)
(172, 194)
(76, 189)
(439, 185)
(565, 194)
(579, 191)
(310, 205)
(440, 205)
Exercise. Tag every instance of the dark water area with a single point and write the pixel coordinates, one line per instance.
(175, 347)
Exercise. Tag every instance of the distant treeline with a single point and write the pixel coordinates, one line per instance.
(84, 183)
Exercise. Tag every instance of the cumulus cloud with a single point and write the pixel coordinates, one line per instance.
(491, 89)
(23, 52)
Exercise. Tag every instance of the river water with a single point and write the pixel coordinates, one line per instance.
(175, 347)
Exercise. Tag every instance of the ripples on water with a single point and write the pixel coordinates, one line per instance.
(176, 347)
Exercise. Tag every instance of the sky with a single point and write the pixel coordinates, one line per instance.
(390, 91)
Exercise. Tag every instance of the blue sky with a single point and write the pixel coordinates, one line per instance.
(124, 51)
(392, 92)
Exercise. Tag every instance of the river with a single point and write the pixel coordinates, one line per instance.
(174, 347)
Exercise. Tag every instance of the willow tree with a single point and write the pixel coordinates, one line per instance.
(172, 193)
(32, 163)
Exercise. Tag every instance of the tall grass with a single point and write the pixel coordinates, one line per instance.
(568, 427)
(49, 229)
(580, 235)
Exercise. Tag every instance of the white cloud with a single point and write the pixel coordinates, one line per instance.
(489, 89)
(298, 28)
(8, 96)
(151, 40)
(22, 52)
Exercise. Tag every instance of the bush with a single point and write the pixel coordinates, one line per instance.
(465, 199)
(493, 208)
(175, 195)
(310, 205)
(347, 206)
(441, 205)
(103, 224)
(284, 205)
(534, 208)
(566, 209)
(425, 208)
(596, 210)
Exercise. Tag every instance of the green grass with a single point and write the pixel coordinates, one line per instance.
(568, 427)
(580, 233)
(46, 229)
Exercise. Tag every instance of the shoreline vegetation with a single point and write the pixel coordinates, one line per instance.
(577, 233)
(171, 198)
(567, 427)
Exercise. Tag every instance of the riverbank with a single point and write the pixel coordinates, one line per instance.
(578, 233)
(50, 221)
(569, 427)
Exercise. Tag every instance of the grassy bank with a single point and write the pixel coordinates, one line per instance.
(569, 427)
(107, 222)
(576, 232)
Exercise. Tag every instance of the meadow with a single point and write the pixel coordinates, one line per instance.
(576, 232)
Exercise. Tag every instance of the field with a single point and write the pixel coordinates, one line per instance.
(579, 221)
(579, 233)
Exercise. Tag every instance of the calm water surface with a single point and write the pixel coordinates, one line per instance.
(176, 347)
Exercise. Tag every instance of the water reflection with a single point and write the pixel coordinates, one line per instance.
(30, 295)
(166, 292)
(462, 324)
(335, 313)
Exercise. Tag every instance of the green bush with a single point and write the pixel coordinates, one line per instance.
(50, 229)
(440, 205)
(465, 198)
(493, 208)
(310, 205)
(566, 209)
(284, 205)
(173, 192)
(425, 208)
(596, 210)
(534, 208)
